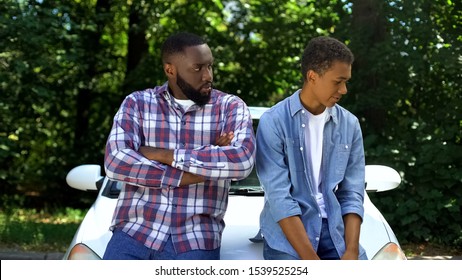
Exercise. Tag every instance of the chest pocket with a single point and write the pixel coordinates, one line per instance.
(342, 154)
(294, 154)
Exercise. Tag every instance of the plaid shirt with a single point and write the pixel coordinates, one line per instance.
(151, 205)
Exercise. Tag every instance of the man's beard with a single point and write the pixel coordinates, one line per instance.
(195, 95)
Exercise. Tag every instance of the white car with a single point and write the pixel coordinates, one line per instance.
(241, 237)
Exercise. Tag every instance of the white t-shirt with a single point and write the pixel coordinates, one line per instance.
(314, 142)
(185, 103)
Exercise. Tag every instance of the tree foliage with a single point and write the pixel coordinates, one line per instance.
(65, 66)
(408, 96)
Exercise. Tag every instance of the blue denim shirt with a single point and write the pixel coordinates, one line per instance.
(281, 164)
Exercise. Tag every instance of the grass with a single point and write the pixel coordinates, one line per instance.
(430, 249)
(32, 230)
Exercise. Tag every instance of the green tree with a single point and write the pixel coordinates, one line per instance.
(408, 98)
(65, 67)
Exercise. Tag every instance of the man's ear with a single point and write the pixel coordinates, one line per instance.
(169, 70)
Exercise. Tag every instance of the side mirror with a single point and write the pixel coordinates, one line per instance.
(84, 177)
(381, 178)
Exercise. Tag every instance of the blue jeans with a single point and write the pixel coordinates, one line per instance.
(123, 247)
(326, 248)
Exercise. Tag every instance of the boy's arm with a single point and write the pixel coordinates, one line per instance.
(352, 229)
(296, 235)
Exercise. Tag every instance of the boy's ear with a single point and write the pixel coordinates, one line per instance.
(311, 75)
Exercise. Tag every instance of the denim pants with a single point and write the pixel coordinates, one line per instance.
(326, 248)
(123, 247)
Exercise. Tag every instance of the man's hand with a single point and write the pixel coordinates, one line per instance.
(225, 139)
(161, 155)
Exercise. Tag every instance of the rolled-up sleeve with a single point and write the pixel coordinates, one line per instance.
(223, 162)
(350, 193)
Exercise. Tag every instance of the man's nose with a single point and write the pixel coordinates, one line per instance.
(207, 75)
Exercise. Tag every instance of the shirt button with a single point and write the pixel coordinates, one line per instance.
(346, 146)
(317, 238)
(301, 148)
(319, 215)
(303, 125)
(303, 111)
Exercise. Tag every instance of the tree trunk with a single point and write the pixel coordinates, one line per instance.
(92, 47)
(369, 27)
(137, 45)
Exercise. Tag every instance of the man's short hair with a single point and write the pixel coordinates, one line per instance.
(321, 53)
(178, 42)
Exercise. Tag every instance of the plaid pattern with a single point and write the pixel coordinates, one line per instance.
(152, 205)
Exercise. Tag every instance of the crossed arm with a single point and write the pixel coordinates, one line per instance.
(166, 157)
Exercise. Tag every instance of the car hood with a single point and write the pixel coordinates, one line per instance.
(242, 226)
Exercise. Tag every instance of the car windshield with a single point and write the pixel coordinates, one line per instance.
(248, 186)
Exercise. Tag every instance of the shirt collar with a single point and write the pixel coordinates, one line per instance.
(296, 106)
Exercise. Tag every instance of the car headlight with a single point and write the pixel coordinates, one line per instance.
(82, 252)
(391, 251)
